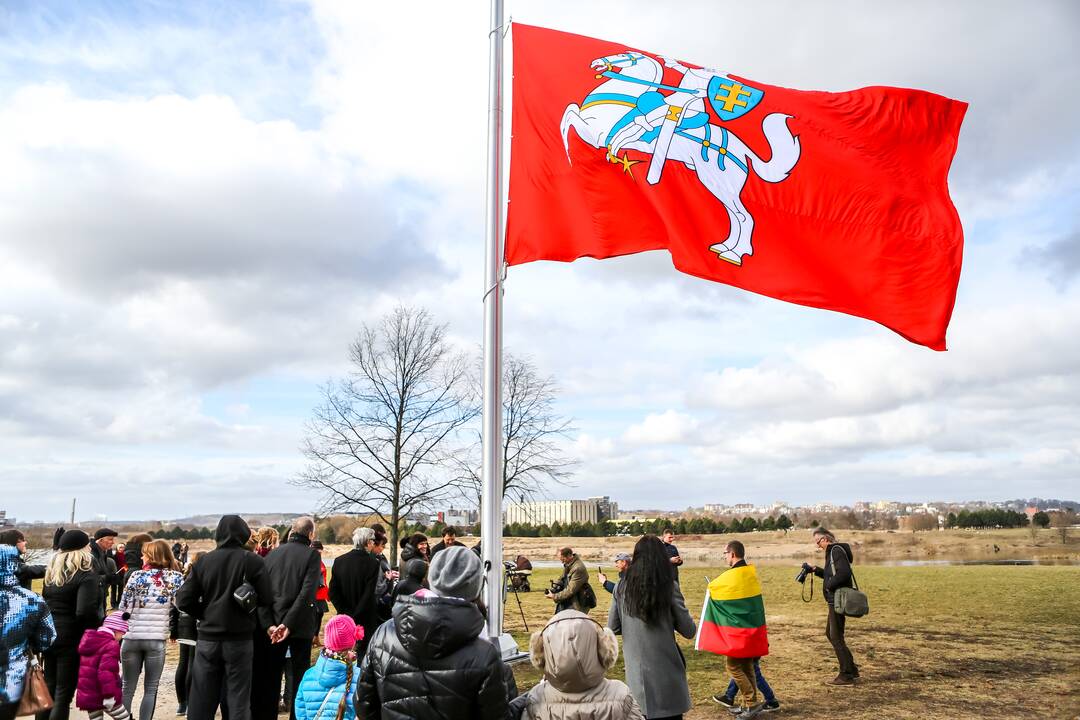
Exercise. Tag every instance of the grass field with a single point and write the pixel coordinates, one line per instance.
(939, 642)
(976, 641)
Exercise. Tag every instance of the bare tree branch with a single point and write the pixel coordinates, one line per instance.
(384, 440)
(533, 433)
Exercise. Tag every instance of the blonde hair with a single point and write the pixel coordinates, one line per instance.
(159, 555)
(64, 565)
(266, 537)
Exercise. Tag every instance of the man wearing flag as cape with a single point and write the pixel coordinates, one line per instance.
(733, 625)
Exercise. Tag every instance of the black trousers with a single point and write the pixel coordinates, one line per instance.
(270, 664)
(182, 678)
(61, 676)
(834, 630)
(221, 673)
(116, 589)
(7, 712)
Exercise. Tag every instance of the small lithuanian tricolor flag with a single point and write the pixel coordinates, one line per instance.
(733, 618)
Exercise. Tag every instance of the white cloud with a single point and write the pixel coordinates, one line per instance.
(196, 217)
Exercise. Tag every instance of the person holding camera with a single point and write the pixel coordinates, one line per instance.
(835, 575)
(622, 561)
(572, 592)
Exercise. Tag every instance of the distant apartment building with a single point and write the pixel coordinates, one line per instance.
(4, 522)
(606, 508)
(546, 512)
(458, 518)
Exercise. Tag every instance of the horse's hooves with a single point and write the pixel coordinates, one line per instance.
(726, 255)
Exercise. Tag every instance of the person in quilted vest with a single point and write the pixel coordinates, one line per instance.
(98, 691)
(430, 661)
(574, 652)
(149, 596)
(327, 688)
(27, 628)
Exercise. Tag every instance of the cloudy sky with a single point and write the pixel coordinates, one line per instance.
(200, 203)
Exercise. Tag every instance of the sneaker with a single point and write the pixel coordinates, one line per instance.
(724, 700)
(181, 709)
(751, 712)
(841, 679)
(735, 710)
(771, 706)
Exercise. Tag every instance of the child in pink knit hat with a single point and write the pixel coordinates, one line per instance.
(327, 689)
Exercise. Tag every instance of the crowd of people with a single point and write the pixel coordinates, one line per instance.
(405, 643)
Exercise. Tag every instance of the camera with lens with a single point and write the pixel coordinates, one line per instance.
(557, 586)
(805, 570)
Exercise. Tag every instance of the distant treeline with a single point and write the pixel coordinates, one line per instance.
(682, 526)
(991, 518)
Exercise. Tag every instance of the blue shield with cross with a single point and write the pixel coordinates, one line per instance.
(732, 99)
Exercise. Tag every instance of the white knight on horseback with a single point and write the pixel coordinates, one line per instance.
(628, 111)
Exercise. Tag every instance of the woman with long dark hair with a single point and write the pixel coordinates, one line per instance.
(648, 609)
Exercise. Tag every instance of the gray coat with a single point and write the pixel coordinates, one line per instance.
(655, 666)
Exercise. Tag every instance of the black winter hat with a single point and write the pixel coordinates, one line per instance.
(73, 540)
(104, 533)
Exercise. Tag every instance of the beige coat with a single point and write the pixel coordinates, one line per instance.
(574, 652)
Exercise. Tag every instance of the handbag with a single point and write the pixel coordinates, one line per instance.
(35, 695)
(246, 597)
(850, 601)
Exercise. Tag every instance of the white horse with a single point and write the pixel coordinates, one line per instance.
(627, 111)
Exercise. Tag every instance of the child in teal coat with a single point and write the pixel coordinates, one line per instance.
(327, 689)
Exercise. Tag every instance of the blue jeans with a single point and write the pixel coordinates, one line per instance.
(766, 691)
(134, 656)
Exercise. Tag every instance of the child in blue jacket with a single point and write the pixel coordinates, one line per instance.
(327, 689)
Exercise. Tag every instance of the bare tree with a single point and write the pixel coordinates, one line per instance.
(532, 435)
(384, 439)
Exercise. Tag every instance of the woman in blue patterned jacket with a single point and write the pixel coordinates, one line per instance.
(27, 627)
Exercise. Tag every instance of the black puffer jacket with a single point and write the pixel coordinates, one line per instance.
(837, 571)
(207, 594)
(430, 663)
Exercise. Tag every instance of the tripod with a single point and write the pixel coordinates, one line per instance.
(508, 585)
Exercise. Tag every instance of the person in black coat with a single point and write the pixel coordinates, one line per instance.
(835, 575)
(224, 653)
(431, 662)
(74, 595)
(413, 574)
(25, 574)
(289, 625)
(353, 581)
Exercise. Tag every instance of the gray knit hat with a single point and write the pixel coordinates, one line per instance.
(455, 572)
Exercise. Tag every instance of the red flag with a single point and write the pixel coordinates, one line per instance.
(832, 200)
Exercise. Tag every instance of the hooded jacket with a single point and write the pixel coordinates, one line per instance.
(322, 687)
(294, 574)
(430, 663)
(574, 652)
(207, 594)
(99, 670)
(412, 578)
(27, 625)
(837, 571)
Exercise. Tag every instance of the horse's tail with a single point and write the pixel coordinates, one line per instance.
(785, 149)
(572, 110)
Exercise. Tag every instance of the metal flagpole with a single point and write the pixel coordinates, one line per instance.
(491, 470)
